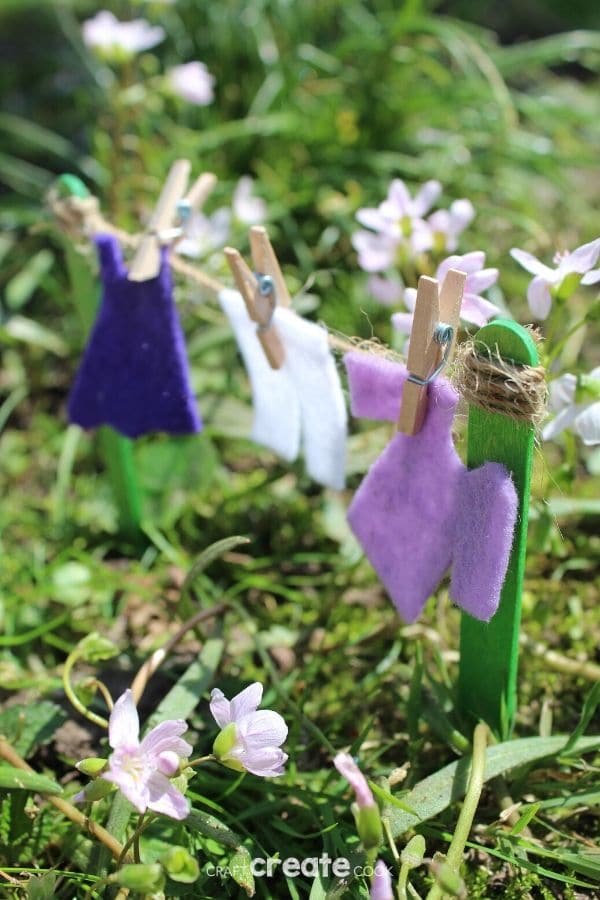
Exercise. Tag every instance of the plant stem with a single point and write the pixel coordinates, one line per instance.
(74, 699)
(139, 683)
(143, 822)
(469, 807)
(105, 693)
(67, 809)
(200, 760)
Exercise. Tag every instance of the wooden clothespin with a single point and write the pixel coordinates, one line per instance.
(261, 290)
(146, 261)
(196, 197)
(432, 339)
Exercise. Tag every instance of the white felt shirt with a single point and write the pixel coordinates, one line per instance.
(304, 396)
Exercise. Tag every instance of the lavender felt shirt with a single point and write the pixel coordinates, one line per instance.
(420, 510)
(134, 372)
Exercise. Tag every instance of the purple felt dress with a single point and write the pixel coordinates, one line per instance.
(134, 373)
(419, 510)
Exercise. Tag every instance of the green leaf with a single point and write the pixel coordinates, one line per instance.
(241, 870)
(213, 828)
(19, 328)
(525, 818)
(42, 888)
(386, 797)
(180, 865)
(589, 708)
(27, 728)
(436, 792)
(20, 288)
(12, 779)
(95, 648)
(169, 464)
(183, 698)
(240, 862)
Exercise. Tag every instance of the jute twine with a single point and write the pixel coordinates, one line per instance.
(488, 381)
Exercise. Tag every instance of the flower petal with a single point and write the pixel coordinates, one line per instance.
(462, 213)
(264, 728)
(371, 217)
(193, 82)
(355, 778)
(398, 199)
(482, 280)
(531, 264)
(402, 322)
(381, 885)
(375, 251)
(134, 790)
(267, 762)
(220, 708)
(562, 392)
(247, 701)
(387, 290)
(165, 798)
(539, 297)
(477, 309)
(248, 208)
(166, 737)
(425, 198)
(582, 259)
(587, 424)
(564, 419)
(592, 277)
(421, 237)
(124, 722)
(468, 262)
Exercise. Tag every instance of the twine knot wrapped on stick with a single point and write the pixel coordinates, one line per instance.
(496, 385)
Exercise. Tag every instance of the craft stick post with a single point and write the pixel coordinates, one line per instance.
(487, 684)
(117, 450)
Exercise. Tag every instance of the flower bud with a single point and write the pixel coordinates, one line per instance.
(568, 285)
(413, 853)
(450, 881)
(168, 763)
(145, 878)
(95, 648)
(92, 766)
(224, 743)
(180, 865)
(97, 790)
(368, 825)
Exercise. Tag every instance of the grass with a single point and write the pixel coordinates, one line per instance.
(356, 93)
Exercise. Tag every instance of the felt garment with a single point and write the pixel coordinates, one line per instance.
(300, 403)
(134, 373)
(419, 510)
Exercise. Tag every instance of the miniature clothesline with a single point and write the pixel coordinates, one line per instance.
(518, 391)
(81, 215)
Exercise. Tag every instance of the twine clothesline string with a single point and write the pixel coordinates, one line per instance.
(483, 379)
(81, 216)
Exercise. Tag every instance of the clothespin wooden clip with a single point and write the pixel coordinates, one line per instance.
(146, 261)
(432, 339)
(261, 290)
(196, 197)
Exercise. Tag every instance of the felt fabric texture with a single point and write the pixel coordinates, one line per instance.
(302, 402)
(419, 510)
(274, 398)
(134, 373)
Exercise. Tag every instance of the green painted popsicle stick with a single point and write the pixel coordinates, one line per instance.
(489, 651)
(117, 450)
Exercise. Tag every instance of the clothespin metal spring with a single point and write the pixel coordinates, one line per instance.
(444, 335)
